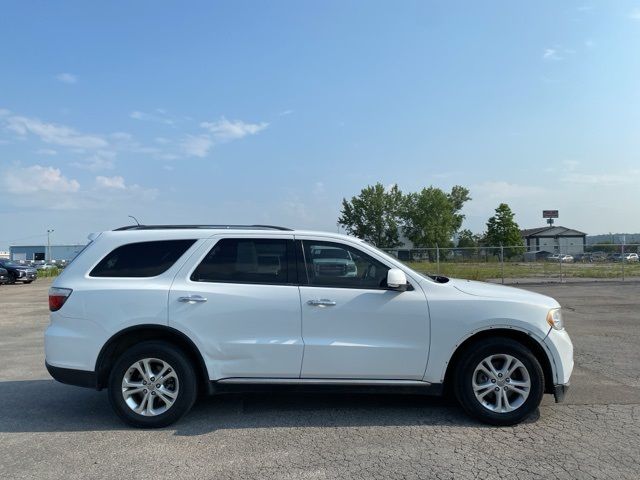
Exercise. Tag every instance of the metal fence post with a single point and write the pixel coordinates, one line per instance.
(560, 255)
(502, 262)
(622, 261)
(438, 259)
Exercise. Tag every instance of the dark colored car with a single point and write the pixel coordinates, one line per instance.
(4, 276)
(19, 273)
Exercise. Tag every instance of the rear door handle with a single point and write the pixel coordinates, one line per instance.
(192, 299)
(323, 302)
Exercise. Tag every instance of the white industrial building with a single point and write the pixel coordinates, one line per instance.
(554, 239)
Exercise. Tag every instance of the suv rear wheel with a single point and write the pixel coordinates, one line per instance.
(499, 381)
(152, 385)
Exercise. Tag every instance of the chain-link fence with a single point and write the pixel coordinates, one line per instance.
(510, 264)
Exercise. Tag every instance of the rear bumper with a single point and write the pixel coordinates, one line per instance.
(79, 378)
(559, 392)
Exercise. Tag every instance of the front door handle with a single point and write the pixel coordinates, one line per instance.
(323, 302)
(192, 299)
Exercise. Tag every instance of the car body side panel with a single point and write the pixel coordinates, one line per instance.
(455, 316)
(242, 330)
(99, 308)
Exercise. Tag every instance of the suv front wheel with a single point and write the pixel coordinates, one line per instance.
(152, 385)
(499, 381)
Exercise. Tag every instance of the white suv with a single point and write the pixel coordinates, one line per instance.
(157, 313)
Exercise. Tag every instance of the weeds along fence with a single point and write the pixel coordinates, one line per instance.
(560, 263)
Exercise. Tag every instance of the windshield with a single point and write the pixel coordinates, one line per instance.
(9, 263)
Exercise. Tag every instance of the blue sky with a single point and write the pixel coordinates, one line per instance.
(272, 112)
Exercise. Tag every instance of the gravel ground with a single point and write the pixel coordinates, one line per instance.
(50, 430)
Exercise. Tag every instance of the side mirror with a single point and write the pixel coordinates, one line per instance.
(396, 280)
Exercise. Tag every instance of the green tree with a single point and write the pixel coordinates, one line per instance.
(431, 216)
(502, 229)
(374, 215)
(468, 242)
(466, 239)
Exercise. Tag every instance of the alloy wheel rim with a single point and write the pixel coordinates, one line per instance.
(501, 383)
(150, 387)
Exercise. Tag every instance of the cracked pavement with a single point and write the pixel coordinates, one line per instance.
(50, 430)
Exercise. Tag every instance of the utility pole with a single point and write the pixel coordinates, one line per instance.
(49, 232)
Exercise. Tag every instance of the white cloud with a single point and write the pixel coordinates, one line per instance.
(67, 78)
(115, 189)
(506, 190)
(34, 179)
(284, 113)
(551, 54)
(197, 145)
(224, 129)
(46, 151)
(46, 188)
(604, 179)
(116, 182)
(160, 116)
(101, 160)
(52, 133)
(635, 14)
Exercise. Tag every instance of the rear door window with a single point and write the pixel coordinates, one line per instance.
(142, 259)
(248, 260)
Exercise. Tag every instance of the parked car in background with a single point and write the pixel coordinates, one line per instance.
(19, 273)
(46, 266)
(219, 309)
(560, 258)
(4, 276)
(598, 257)
(333, 261)
(630, 257)
(583, 258)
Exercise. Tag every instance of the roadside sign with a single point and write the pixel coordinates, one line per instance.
(550, 214)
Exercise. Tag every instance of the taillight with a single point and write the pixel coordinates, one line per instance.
(57, 297)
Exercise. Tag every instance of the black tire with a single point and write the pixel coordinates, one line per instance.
(12, 279)
(184, 371)
(463, 380)
(27, 282)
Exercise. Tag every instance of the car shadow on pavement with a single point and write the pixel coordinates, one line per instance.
(48, 406)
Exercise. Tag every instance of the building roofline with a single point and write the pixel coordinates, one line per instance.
(532, 232)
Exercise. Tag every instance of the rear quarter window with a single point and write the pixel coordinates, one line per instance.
(142, 259)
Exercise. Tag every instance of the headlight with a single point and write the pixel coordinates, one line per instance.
(554, 318)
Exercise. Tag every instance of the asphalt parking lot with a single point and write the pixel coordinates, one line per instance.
(50, 430)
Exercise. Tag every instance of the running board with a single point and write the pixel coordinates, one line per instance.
(323, 385)
(322, 381)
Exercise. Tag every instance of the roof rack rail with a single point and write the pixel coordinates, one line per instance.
(213, 227)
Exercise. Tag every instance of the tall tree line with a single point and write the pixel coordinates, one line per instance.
(428, 218)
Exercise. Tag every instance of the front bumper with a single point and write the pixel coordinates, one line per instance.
(560, 391)
(559, 345)
(27, 277)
